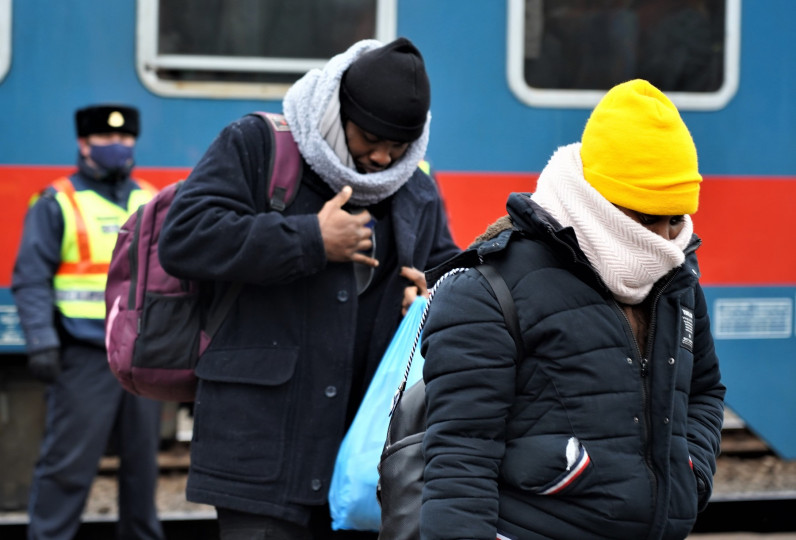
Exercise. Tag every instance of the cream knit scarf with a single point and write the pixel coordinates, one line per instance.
(628, 257)
(312, 108)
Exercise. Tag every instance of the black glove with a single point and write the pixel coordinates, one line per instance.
(45, 365)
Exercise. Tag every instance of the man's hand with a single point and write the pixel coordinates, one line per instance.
(419, 287)
(345, 235)
(45, 365)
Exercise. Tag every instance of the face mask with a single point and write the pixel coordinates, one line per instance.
(113, 157)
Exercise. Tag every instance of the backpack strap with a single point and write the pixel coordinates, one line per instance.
(507, 306)
(215, 319)
(283, 181)
(506, 302)
(284, 168)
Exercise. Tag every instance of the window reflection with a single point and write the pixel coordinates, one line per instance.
(293, 29)
(678, 45)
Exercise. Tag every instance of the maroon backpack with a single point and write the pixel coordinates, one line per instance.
(153, 329)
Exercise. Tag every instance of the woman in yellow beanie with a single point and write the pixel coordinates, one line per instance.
(607, 422)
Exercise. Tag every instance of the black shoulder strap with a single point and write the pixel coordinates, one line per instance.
(222, 310)
(507, 306)
(506, 302)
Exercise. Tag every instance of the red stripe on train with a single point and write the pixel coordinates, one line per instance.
(744, 221)
(19, 182)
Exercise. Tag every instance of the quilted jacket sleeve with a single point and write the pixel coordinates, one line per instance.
(706, 403)
(470, 376)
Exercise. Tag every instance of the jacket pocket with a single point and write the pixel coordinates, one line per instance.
(546, 464)
(684, 482)
(241, 412)
(704, 490)
(258, 366)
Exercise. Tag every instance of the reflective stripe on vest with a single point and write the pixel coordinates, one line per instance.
(91, 225)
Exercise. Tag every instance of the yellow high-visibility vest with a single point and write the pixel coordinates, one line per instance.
(425, 166)
(91, 225)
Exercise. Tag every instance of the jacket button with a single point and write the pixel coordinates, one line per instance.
(635, 419)
(629, 360)
(342, 295)
(666, 420)
(671, 361)
(330, 391)
(316, 484)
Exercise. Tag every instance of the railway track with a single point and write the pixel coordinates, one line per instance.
(753, 491)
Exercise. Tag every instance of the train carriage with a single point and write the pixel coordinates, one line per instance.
(511, 81)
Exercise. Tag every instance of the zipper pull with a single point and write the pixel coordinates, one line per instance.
(644, 367)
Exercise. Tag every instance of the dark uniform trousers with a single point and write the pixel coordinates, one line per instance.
(84, 406)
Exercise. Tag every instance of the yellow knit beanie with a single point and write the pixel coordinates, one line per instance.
(638, 153)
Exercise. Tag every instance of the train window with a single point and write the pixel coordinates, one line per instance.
(567, 53)
(248, 48)
(5, 37)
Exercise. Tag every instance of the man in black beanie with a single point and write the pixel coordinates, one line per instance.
(324, 283)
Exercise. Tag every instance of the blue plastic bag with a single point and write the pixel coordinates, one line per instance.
(352, 494)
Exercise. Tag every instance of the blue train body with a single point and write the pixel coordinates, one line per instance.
(59, 56)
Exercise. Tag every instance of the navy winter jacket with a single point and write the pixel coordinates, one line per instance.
(270, 410)
(584, 437)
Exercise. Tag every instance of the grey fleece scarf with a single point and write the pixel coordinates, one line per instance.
(311, 107)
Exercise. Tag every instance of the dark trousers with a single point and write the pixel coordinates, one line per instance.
(84, 406)
(235, 525)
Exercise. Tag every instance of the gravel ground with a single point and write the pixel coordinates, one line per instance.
(170, 498)
(745, 471)
(736, 477)
(767, 475)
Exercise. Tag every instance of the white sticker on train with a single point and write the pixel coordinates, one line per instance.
(753, 318)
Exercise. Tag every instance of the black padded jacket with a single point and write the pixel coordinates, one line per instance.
(586, 436)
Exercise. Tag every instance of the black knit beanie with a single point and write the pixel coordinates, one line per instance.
(386, 92)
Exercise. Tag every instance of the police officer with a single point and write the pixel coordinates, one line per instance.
(58, 285)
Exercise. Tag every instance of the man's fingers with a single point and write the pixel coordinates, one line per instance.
(365, 244)
(410, 294)
(417, 277)
(342, 197)
(364, 259)
(363, 218)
